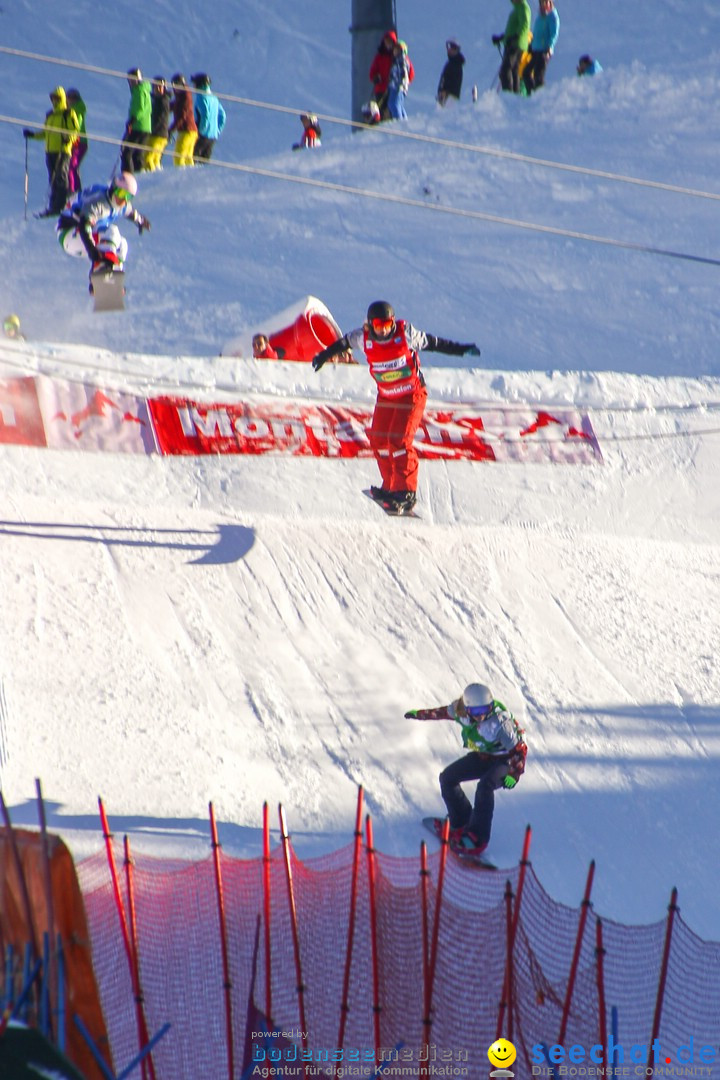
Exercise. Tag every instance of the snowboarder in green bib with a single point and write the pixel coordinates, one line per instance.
(496, 758)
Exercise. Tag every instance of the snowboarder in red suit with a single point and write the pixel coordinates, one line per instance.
(496, 758)
(392, 350)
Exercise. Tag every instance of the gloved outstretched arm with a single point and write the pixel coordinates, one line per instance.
(451, 348)
(341, 345)
(440, 713)
(141, 221)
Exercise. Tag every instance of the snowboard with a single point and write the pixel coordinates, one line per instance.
(108, 290)
(435, 826)
(390, 509)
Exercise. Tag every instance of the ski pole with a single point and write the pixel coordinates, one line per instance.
(26, 176)
(496, 81)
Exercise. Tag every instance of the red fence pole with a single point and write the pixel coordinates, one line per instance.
(444, 838)
(147, 1063)
(266, 910)
(424, 878)
(140, 1016)
(227, 984)
(344, 1004)
(584, 908)
(600, 980)
(295, 934)
(509, 966)
(433, 949)
(48, 897)
(524, 863)
(370, 848)
(672, 909)
(108, 837)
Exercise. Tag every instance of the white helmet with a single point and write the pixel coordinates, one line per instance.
(477, 699)
(123, 187)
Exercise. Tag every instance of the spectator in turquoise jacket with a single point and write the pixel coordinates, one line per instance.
(209, 117)
(515, 42)
(545, 34)
(139, 122)
(588, 66)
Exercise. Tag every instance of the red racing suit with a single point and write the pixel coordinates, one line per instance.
(401, 395)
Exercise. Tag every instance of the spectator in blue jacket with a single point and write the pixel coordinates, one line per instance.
(545, 34)
(209, 117)
(588, 66)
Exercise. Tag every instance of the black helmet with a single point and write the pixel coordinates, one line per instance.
(381, 311)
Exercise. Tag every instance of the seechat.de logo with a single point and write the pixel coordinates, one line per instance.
(501, 1054)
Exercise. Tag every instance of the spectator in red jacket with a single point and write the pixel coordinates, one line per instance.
(263, 350)
(311, 133)
(380, 67)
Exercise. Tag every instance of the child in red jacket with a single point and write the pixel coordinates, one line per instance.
(311, 133)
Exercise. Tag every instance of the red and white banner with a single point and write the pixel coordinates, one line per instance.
(40, 411)
(486, 434)
(79, 416)
(21, 422)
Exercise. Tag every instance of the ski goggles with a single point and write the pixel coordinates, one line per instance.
(383, 327)
(121, 195)
(478, 711)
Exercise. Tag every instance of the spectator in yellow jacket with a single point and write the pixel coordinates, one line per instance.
(60, 135)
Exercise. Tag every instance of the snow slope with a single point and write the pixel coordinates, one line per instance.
(238, 630)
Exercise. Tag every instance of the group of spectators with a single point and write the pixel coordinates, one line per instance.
(526, 48)
(526, 53)
(158, 113)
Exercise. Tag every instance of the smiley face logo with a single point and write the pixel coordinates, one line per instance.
(502, 1054)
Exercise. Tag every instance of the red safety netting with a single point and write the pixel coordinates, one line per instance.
(181, 972)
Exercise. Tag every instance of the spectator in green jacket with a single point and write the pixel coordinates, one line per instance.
(80, 148)
(515, 42)
(139, 122)
(60, 134)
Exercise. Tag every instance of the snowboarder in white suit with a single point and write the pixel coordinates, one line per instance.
(87, 225)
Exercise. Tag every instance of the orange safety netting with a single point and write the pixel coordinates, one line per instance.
(181, 970)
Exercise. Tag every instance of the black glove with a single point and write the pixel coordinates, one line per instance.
(471, 350)
(28, 133)
(497, 39)
(142, 223)
(318, 360)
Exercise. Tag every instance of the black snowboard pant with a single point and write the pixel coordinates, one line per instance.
(58, 167)
(132, 159)
(203, 148)
(477, 818)
(508, 74)
(534, 74)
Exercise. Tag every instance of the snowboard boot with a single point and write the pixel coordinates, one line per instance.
(404, 501)
(380, 493)
(453, 834)
(467, 843)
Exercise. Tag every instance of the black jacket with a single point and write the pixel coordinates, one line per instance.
(160, 115)
(452, 76)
